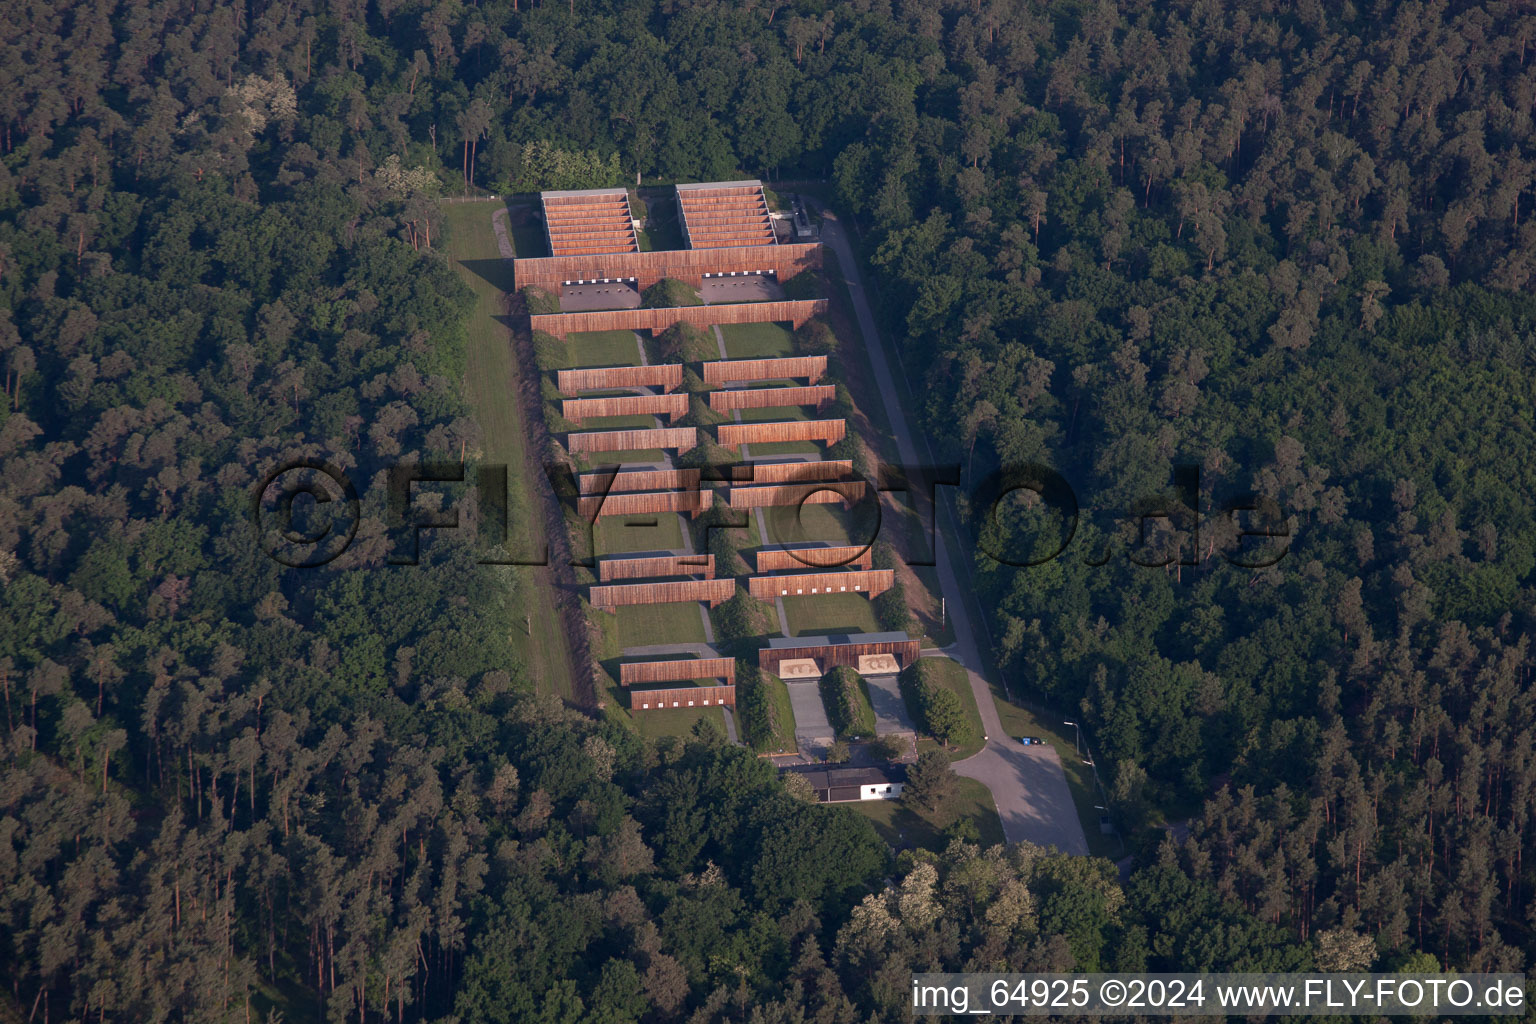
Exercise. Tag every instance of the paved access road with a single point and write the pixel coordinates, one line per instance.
(813, 732)
(890, 710)
(1027, 783)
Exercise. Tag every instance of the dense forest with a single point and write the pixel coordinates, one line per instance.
(1289, 244)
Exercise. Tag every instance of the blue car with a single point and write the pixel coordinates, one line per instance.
(1031, 741)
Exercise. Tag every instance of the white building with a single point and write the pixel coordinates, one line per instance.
(845, 785)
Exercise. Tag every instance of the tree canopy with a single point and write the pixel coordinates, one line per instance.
(1289, 245)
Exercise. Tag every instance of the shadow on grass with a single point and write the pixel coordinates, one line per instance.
(495, 272)
(904, 826)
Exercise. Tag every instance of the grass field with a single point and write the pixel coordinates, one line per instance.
(905, 826)
(776, 413)
(786, 448)
(615, 535)
(649, 723)
(639, 421)
(653, 725)
(952, 677)
(757, 341)
(533, 627)
(632, 457)
(676, 623)
(808, 524)
(810, 615)
(603, 348)
(866, 706)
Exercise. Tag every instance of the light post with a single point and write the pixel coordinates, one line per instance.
(1097, 785)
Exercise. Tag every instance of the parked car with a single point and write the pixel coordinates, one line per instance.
(1031, 741)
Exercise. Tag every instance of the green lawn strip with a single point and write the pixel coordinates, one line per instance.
(905, 826)
(625, 459)
(820, 614)
(607, 651)
(863, 710)
(652, 348)
(846, 700)
(757, 341)
(638, 421)
(783, 740)
(807, 524)
(786, 448)
(534, 630)
(603, 348)
(1019, 722)
(680, 722)
(767, 385)
(777, 413)
(749, 538)
(677, 622)
(616, 535)
(951, 675)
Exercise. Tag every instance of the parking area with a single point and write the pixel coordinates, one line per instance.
(582, 298)
(742, 288)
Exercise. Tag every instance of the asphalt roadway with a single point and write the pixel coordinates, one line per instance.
(1028, 784)
(889, 707)
(813, 732)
